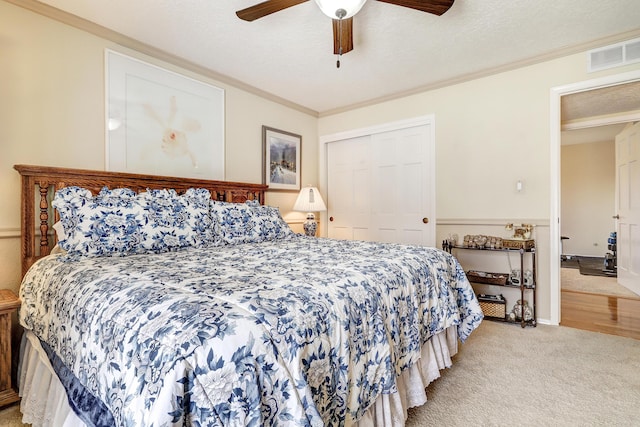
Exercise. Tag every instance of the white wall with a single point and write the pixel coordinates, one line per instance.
(588, 197)
(52, 107)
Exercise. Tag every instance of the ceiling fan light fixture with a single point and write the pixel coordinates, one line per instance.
(340, 9)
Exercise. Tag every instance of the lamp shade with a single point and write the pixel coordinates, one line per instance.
(331, 7)
(309, 200)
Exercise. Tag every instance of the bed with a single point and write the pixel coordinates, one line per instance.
(166, 301)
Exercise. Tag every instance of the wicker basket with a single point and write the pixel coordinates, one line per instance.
(488, 278)
(493, 305)
(518, 243)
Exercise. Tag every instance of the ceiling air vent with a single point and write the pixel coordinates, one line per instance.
(615, 55)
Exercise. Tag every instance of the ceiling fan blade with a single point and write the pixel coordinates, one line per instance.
(437, 7)
(266, 8)
(342, 35)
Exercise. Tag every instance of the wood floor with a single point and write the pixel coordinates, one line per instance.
(608, 314)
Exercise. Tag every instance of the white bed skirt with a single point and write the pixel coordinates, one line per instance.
(44, 400)
(390, 410)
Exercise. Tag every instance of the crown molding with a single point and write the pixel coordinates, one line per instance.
(603, 120)
(584, 47)
(115, 37)
(130, 43)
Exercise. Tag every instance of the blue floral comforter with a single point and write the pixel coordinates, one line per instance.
(300, 331)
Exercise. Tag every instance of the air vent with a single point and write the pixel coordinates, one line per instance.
(633, 51)
(615, 55)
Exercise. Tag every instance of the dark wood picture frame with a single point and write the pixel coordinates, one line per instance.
(281, 159)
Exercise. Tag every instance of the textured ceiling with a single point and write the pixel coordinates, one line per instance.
(601, 102)
(611, 106)
(396, 50)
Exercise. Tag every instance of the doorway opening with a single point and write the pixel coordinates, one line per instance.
(596, 117)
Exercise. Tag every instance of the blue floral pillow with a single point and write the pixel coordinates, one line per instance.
(270, 224)
(185, 215)
(236, 222)
(121, 222)
(249, 222)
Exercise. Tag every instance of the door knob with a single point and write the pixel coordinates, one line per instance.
(616, 217)
(331, 218)
(425, 220)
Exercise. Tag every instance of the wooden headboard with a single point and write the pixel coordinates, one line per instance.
(39, 183)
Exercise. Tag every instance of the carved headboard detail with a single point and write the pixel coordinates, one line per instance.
(39, 183)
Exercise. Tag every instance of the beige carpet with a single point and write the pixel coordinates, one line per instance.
(546, 376)
(11, 416)
(572, 280)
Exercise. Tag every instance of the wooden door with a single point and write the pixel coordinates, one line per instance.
(628, 207)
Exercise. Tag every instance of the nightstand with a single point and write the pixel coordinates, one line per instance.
(9, 303)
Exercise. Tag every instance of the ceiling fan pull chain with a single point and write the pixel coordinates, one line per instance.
(340, 13)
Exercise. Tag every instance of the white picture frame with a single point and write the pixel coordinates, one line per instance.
(159, 122)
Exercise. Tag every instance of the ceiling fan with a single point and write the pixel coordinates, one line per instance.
(341, 11)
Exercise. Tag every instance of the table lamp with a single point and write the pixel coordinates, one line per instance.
(309, 200)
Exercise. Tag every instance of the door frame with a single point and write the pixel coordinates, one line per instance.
(555, 140)
(370, 130)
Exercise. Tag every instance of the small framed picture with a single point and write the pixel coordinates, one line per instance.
(281, 156)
